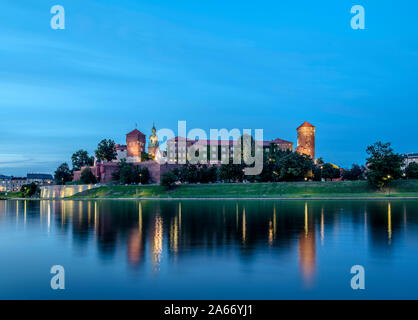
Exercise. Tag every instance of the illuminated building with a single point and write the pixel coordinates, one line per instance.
(135, 142)
(153, 144)
(215, 151)
(306, 139)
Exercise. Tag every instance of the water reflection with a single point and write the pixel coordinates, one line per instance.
(153, 234)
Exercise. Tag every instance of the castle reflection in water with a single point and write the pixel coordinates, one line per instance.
(156, 232)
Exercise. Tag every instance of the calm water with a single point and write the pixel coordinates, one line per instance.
(208, 249)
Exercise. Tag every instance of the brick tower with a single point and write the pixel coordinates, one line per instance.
(135, 142)
(306, 139)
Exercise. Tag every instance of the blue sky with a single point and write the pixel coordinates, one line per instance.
(216, 64)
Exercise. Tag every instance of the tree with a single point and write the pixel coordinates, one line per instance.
(81, 159)
(126, 176)
(355, 173)
(168, 179)
(329, 171)
(319, 161)
(411, 170)
(141, 175)
(106, 150)
(87, 177)
(292, 166)
(231, 172)
(384, 165)
(63, 174)
(145, 156)
(29, 190)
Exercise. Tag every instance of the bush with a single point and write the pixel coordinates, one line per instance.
(30, 190)
(411, 171)
(355, 173)
(168, 179)
(87, 177)
(142, 175)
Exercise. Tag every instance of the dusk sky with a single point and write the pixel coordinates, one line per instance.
(216, 64)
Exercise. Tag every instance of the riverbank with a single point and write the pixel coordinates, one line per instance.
(282, 190)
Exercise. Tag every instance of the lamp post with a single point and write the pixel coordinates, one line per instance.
(389, 184)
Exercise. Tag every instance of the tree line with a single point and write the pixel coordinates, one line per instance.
(106, 151)
(383, 165)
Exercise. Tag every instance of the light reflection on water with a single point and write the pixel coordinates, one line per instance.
(209, 249)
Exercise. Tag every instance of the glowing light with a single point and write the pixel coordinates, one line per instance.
(306, 218)
(270, 232)
(274, 222)
(157, 242)
(322, 226)
(389, 223)
(243, 226)
(174, 235)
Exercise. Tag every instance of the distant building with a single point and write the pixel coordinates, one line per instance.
(17, 183)
(121, 152)
(40, 178)
(306, 139)
(271, 147)
(5, 183)
(177, 149)
(409, 158)
(216, 151)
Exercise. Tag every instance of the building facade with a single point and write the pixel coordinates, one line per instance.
(306, 139)
(180, 150)
(14, 184)
(5, 183)
(40, 178)
(409, 158)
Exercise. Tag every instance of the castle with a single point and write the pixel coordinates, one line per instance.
(159, 162)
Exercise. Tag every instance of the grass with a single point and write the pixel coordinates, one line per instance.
(10, 195)
(329, 189)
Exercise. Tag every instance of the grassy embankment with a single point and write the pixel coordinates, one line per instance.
(329, 189)
(10, 195)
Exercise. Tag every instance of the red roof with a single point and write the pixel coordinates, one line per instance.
(280, 141)
(306, 124)
(136, 132)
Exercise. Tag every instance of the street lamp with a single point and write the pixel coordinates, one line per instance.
(389, 183)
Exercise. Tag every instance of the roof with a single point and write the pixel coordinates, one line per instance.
(120, 147)
(39, 176)
(280, 141)
(306, 124)
(5, 177)
(135, 132)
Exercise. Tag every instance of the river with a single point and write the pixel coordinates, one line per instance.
(209, 249)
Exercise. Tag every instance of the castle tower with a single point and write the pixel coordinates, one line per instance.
(153, 143)
(135, 142)
(306, 139)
